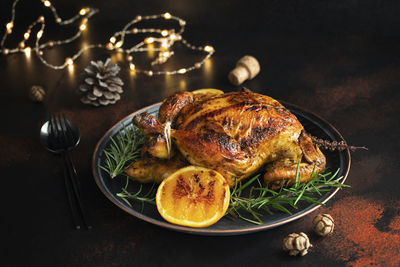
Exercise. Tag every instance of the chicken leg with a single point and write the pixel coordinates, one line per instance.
(283, 172)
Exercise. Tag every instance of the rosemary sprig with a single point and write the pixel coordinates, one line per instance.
(149, 197)
(262, 199)
(123, 150)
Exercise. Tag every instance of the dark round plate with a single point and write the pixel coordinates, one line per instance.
(227, 225)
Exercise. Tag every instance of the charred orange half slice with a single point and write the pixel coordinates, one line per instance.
(207, 93)
(193, 196)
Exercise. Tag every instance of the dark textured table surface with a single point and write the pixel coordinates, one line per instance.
(338, 59)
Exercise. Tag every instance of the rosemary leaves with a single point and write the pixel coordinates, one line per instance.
(123, 150)
(261, 200)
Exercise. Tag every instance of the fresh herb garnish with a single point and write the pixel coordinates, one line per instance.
(264, 199)
(149, 197)
(123, 150)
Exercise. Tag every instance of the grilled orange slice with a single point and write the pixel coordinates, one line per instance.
(207, 93)
(193, 196)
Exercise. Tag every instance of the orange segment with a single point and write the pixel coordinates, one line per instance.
(207, 93)
(193, 196)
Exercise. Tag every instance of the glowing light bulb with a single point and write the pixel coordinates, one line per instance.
(118, 44)
(47, 3)
(39, 34)
(208, 48)
(113, 39)
(149, 40)
(26, 35)
(181, 71)
(69, 61)
(167, 15)
(132, 66)
(9, 25)
(164, 45)
(165, 54)
(164, 33)
(110, 46)
(82, 27)
(83, 11)
(27, 51)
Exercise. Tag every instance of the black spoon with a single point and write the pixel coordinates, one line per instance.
(59, 136)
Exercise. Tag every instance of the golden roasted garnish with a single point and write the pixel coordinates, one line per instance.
(193, 196)
(207, 93)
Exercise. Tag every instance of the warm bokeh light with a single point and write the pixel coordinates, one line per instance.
(9, 25)
(118, 44)
(27, 51)
(150, 51)
(167, 15)
(181, 71)
(209, 48)
(83, 11)
(39, 34)
(69, 61)
(182, 85)
(149, 40)
(164, 45)
(164, 33)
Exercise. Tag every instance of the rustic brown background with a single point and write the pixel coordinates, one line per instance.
(339, 59)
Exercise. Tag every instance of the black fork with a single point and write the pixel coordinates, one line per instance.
(64, 140)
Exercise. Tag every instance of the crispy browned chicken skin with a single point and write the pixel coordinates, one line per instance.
(235, 134)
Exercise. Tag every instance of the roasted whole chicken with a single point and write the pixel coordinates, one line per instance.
(236, 134)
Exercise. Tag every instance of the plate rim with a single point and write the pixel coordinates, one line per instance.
(206, 231)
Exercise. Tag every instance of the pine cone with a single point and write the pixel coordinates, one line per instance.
(100, 85)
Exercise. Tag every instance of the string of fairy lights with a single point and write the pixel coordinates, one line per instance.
(159, 40)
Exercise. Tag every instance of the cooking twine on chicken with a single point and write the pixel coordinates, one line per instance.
(167, 136)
